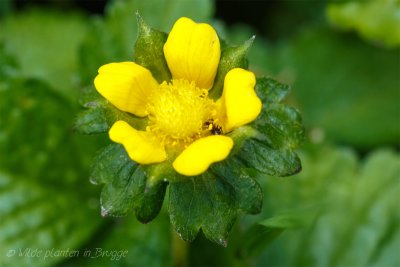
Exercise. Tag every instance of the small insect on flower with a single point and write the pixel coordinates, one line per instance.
(214, 128)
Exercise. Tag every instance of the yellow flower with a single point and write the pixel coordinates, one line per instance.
(185, 126)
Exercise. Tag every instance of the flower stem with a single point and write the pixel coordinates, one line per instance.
(179, 251)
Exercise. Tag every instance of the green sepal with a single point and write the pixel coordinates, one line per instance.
(127, 186)
(149, 51)
(231, 57)
(212, 201)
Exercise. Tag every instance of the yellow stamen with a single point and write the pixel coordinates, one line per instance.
(178, 111)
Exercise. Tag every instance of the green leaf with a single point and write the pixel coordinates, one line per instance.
(212, 201)
(375, 20)
(202, 202)
(38, 218)
(91, 121)
(231, 57)
(271, 91)
(248, 193)
(106, 165)
(274, 162)
(280, 126)
(268, 143)
(127, 186)
(255, 240)
(149, 51)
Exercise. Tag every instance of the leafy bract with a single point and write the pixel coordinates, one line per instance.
(212, 202)
(127, 185)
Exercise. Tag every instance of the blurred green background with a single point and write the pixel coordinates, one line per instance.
(342, 60)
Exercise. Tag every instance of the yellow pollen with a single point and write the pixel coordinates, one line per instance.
(178, 112)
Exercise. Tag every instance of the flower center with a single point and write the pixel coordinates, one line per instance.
(178, 112)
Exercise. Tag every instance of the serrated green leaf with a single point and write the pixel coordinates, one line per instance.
(91, 121)
(268, 143)
(118, 196)
(248, 193)
(274, 162)
(204, 202)
(212, 201)
(39, 218)
(108, 163)
(271, 91)
(149, 51)
(127, 187)
(260, 235)
(280, 126)
(150, 201)
(231, 57)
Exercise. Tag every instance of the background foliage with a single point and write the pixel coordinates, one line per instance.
(342, 61)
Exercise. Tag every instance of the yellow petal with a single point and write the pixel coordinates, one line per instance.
(199, 155)
(192, 52)
(127, 86)
(140, 145)
(239, 102)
